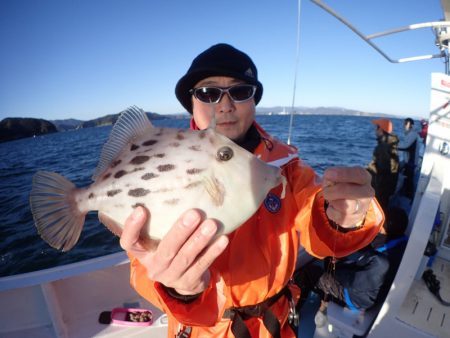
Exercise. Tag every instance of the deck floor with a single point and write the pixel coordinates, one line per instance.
(423, 310)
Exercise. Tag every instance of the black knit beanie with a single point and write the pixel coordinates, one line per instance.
(218, 60)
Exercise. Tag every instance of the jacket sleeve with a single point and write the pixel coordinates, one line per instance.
(408, 140)
(316, 234)
(192, 314)
(363, 279)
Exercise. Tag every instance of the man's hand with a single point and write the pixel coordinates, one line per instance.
(348, 192)
(182, 258)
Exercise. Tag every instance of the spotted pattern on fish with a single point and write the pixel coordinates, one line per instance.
(165, 167)
(149, 142)
(139, 159)
(173, 201)
(138, 192)
(115, 163)
(149, 176)
(167, 170)
(162, 190)
(111, 193)
(120, 173)
(194, 171)
(193, 185)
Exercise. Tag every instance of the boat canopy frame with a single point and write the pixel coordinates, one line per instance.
(441, 30)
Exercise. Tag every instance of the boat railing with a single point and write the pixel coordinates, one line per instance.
(61, 272)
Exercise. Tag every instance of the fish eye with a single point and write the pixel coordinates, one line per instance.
(224, 154)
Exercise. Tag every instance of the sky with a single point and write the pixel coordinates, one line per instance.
(84, 59)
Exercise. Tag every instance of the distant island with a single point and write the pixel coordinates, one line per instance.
(14, 128)
(17, 128)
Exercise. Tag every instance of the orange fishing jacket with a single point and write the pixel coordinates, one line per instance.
(261, 255)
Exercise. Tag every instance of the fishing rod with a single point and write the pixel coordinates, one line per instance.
(297, 57)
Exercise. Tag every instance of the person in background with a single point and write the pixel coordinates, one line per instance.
(409, 145)
(384, 166)
(363, 279)
(238, 285)
(424, 130)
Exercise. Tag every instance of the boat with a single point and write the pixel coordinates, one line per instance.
(410, 309)
(80, 299)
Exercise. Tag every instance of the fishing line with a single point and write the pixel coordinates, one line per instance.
(297, 57)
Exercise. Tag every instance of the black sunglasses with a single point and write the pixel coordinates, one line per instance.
(238, 93)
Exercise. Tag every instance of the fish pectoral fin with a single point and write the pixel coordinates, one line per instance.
(215, 189)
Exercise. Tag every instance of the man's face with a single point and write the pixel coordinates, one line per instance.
(232, 119)
(378, 131)
(407, 125)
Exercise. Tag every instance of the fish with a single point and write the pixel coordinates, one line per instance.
(166, 170)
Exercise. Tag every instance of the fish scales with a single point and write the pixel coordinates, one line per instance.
(166, 170)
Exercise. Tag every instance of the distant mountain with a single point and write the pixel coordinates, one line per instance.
(14, 128)
(278, 110)
(64, 125)
(107, 120)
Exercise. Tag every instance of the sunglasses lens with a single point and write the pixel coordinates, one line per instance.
(238, 93)
(241, 92)
(208, 94)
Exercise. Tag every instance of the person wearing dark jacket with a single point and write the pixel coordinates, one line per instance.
(363, 279)
(409, 145)
(385, 164)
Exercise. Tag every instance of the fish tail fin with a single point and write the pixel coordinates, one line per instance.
(55, 213)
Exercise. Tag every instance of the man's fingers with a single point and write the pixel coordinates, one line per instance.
(178, 235)
(196, 243)
(132, 231)
(200, 266)
(348, 191)
(355, 175)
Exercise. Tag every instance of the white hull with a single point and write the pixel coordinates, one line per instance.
(66, 301)
(410, 309)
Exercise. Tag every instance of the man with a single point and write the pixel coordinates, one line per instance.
(384, 164)
(409, 145)
(209, 288)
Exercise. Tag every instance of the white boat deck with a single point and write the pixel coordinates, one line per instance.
(70, 307)
(423, 310)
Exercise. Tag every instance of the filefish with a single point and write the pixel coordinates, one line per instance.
(166, 170)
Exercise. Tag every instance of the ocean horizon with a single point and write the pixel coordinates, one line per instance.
(322, 141)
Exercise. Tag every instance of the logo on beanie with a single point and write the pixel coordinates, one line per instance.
(249, 73)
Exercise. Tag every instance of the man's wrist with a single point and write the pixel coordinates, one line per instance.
(182, 298)
(341, 228)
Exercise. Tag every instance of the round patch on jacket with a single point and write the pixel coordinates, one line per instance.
(272, 203)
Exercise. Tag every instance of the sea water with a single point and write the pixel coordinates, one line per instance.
(322, 141)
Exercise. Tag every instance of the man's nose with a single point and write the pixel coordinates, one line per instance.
(225, 103)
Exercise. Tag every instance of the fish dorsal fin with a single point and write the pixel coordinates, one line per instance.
(132, 123)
